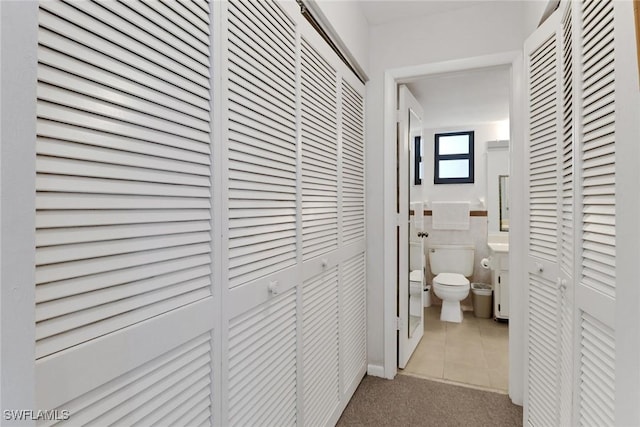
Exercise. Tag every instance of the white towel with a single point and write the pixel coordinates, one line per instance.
(418, 215)
(450, 215)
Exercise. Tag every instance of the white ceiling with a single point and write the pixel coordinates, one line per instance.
(383, 11)
(469, 97)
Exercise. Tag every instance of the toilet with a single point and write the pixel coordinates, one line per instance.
(452, 265)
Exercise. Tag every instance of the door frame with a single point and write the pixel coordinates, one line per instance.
(517, 237)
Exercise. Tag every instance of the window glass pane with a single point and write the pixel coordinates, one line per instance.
(453, 168)
(454, 144)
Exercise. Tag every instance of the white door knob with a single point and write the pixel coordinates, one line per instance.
(273, 287)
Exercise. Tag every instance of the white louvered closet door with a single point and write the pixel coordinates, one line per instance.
(124, 212)
(581, 390)
(295, 300)
(596, 280)
(261, 303)
(353, 318)
(543, 53)
(567, 215)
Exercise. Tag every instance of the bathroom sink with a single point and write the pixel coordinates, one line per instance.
(499, 247)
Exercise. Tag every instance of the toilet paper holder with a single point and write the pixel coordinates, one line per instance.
(486, 263)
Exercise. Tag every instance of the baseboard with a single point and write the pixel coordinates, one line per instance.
(375, 370)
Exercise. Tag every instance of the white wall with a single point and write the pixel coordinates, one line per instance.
(346, 20)
(485, 29)
(533, 11)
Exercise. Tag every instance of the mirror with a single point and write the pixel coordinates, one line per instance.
(503, 185)
(415, 289)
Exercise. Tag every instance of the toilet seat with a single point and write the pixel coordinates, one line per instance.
(451, 279)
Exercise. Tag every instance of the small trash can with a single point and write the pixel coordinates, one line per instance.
(482, 295)
(427, 296)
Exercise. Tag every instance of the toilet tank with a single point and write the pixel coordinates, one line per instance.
(451, 259)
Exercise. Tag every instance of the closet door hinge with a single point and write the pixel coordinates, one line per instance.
(398, 323)
(398, 116)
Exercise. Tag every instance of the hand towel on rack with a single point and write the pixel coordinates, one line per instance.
(418, 215)
(450, 215)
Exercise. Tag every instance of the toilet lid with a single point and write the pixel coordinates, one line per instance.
(451, 279)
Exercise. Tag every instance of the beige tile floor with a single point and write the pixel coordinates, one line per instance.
(473, 352)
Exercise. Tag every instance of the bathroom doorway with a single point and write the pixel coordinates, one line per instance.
(502, 355)
(472, 105)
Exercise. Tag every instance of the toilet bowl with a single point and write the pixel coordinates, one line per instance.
(451, 288)
(452, 265)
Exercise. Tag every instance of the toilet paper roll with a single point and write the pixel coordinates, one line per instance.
(485, 263)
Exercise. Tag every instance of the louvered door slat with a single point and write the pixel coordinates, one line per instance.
(263, 16)
(597, 372)
(117, 81)
(106, 104)
(262, 149)
(75, 201)
(115, 399)
(542, 149)
(262, 353)
(116, 69)
(566, 254)
(71, 116)
(60, 149)
(198, 29)
(48, 19)
(200, 12)
(598, 145)
(543, 377)
(320, 347)
(354, 356)
(169, 25)
(121, 145)
(352, 164)
(113, 20)
(134, 12)
(319, 154)
(58, 236)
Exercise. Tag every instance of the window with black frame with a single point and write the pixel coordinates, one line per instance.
(453, 158)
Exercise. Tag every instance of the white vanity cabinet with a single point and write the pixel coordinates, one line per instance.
(500, 279)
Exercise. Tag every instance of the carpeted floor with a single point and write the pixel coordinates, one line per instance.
(411, 401)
